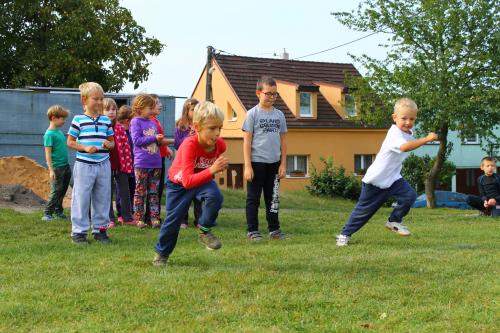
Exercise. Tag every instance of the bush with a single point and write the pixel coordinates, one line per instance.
(332, 181)
(415, 170)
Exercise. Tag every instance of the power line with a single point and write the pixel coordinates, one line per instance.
(335, 47)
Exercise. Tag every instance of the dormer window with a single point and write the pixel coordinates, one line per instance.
(234, 116)
(350, 105)
(305, 104)
(231, 114)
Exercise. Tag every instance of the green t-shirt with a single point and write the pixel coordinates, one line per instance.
(55, 138)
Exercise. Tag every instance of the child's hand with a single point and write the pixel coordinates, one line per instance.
(248, 173)
(170, 153)
(431, 137)
(491, 202)
(90, 149)
(52, 175)
(107, 144)
(220, 164)
(159, 138)
(282, 171)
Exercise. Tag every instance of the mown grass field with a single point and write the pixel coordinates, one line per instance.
(443, 278)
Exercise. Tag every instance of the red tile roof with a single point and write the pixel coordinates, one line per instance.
(243, 73)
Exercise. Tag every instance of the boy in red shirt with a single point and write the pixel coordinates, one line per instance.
(191, 176)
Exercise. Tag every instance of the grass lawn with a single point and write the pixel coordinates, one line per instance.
(443, 278)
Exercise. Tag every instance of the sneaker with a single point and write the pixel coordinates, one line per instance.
(254, 236)
(47, 218)
(141, 225)
(184, 226)
(102, 237)
(210, 241)
(343, 240)
(277, 235)
(160, 260)
(156, 224)
(400, 228)
(79, 239)
(61, 216)
(112, 224)
(120, 220)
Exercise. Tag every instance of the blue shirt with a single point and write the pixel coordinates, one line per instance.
(90, 131)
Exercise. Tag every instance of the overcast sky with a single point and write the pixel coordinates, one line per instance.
(246, 28)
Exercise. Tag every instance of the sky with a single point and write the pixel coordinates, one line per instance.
(246, 28)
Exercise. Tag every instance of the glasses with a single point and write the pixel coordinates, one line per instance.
(270, 94)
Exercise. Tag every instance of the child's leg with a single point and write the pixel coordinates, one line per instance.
(101, 196)
(475, 202)
(271, 189)
(197, 204)
(212, 199)
(66, 171)
(131, 189)
(161, 185)
(177, 205)
(153, 184)
(141, 177)
(83, 183)
(56, 186)
(405, 196)
(123, 195)
(113, 189)
(370, 200)
(254, 190)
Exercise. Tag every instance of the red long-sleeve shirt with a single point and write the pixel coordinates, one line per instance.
(191, 164)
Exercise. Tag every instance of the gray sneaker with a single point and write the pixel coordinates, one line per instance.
(277, 235)
(254, 236)
(399, 228)
(210, 241)
(79, 239)
(343, 240)
(160, 260)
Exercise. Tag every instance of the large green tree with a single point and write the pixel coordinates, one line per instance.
(442, 53)
(65, 42)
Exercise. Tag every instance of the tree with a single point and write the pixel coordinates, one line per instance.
(415, 169)
(66, 42)
(442, 53)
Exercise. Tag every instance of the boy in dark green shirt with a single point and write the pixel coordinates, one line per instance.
(56, 154)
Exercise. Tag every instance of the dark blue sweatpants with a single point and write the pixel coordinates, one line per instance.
(178, 201)
(373, 197)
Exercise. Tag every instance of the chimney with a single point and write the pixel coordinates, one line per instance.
(285, 55)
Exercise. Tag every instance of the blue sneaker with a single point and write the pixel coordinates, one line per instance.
(61, 216)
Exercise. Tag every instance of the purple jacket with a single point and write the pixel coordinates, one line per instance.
(179, 136)
(146, 149)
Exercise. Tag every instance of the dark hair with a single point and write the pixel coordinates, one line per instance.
(489, 159)
(265, 80)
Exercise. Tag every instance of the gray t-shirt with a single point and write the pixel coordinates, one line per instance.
(266, 127)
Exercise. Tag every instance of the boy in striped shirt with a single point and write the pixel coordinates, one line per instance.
(91, 135)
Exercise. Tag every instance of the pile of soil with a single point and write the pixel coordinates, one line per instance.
(27, 174)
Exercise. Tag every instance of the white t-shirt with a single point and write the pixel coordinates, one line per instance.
(386, 168)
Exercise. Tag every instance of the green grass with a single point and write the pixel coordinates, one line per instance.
(444, 278)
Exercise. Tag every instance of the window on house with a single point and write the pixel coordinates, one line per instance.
(234, 115)
(350, 105)
(231, 113)
(362, 162)
(296, 166)
(472, 140)
(305, 104)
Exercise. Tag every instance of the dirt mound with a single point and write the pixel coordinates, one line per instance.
(20, 170)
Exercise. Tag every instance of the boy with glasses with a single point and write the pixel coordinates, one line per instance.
(264, 150)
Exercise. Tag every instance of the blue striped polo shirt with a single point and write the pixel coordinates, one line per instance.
(90, 131)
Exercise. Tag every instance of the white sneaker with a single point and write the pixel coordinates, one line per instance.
(343, 240)
(400, 228)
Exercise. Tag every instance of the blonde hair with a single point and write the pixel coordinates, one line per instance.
(206, 110)
(141, 102)
(88, 88)
(405, 102)
(108, 103)
(57, 111)
(183, 122)
(124, 113)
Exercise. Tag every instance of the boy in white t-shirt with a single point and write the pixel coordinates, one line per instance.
(383, 178)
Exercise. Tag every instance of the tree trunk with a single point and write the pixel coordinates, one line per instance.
(432, 176)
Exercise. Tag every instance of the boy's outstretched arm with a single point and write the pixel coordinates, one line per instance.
(414, 144)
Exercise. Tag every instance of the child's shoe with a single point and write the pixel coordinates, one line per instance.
(277, 235)
(102, 237)
(209, 240)
(141, 225)
(120, 220)
(61, 216)
(343, 240)
(111, 224)
(400, 228)
(155, 224)
(47, 218)
(79, 239)
(160, 260)
(184, 225)
(254, 236)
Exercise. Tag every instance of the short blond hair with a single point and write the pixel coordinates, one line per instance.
(57, 111)
(403, 103)
(108, 103)
(88, 88)
(141, 102)
(206, 110)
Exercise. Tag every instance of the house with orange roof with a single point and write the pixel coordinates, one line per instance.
(318, 108)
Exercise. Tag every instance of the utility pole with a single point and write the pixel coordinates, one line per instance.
(208, 89)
